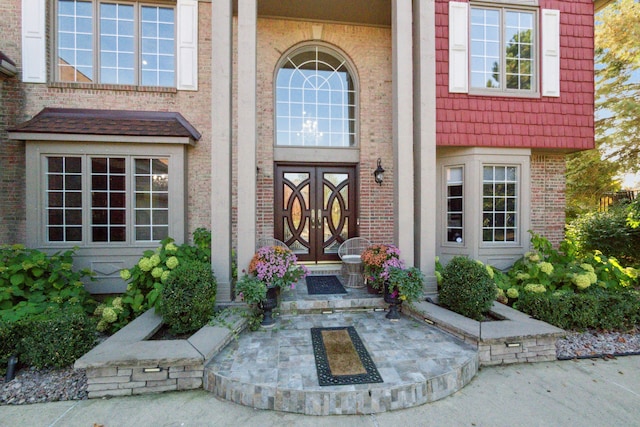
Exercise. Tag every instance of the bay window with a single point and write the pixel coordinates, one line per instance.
(126, 197)
(484, 197)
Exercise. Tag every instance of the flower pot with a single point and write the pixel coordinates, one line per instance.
(267, 307)
(394, 302)
(372, 290)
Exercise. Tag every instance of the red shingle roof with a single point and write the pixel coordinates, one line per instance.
(109, 122)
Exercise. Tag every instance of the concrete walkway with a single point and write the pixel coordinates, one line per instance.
(570, 393)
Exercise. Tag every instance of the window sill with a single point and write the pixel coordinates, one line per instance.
(485, 93)
(124, 88)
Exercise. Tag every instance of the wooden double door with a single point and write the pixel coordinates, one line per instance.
(315, 208)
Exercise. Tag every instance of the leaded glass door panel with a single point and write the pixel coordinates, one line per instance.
(315, 209)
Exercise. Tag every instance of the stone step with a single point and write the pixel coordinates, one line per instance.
(330, 269)
(275, 369)
(316, 306)
(355, 300)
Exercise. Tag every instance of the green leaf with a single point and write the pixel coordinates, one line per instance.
(37, 297)
(17, 279)
(152, 297)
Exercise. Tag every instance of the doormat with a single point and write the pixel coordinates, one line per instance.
(324, 285)
(341, 358)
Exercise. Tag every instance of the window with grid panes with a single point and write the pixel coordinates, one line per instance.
(499, 203)
(315, 100)
(455, 204)
(502, 49)
(126, 197)
(115, 43)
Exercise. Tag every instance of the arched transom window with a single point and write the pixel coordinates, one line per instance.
(315, 100)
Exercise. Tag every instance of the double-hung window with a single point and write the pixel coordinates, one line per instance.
(499, 203)
(125, 43)
(502, 49)
(455, 204)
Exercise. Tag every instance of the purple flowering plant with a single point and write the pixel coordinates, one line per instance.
(277, 266)
(377, 260)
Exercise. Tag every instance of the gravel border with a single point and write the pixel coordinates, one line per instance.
(51, 385)
(590, 344)
(44, 385)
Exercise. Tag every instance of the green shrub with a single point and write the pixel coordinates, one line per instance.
(611, 232)
(188, 297)
(467, 288)
(595, 309)
(9, 339)
(546, 269)
(147, 277)
(32, 281)
(56, 338)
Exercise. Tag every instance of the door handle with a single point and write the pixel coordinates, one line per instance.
(319, 219)
(313, 219)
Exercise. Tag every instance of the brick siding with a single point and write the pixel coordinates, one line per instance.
(21, 101)
(461, 120)
(548, 196)
(369, 50)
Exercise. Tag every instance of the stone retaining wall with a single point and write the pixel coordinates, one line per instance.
(516, 339)
(126, 363)
(124, 381)
(532, 349)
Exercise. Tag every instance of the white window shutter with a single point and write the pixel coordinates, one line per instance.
(550, 52)
(458, 47)
(187, 42)
(34, 54)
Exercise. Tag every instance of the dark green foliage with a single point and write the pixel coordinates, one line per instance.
(188, 297)
(9, 338)
(56, 338)
(595, 309)
(147, 278)
(608, 232)
(32, 281)
(467, 288)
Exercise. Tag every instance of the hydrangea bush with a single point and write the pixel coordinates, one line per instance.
(32, 281)
(147, 278)
(377, 260)
(546, 269)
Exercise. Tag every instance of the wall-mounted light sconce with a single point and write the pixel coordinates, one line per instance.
(378, 174)
(512, 344)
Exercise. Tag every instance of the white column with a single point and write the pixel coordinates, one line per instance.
(221, 45)
(401, 22)
(425, 138)
(247, 136)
